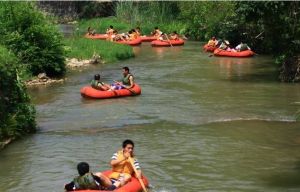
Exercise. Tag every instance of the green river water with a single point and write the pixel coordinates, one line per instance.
(201, 124)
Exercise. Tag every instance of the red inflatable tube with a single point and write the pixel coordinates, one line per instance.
(132, 186)
(208, 48)
(134, 42)
(90, 92)
(97, 36)
(148, 38)
(220, 52)
(166, 43)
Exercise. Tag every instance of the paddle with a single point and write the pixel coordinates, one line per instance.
(131, 91)
(140, 180)
(169, 40)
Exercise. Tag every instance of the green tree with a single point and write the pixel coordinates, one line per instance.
(17, 115)
(32, 38)
(206, 19)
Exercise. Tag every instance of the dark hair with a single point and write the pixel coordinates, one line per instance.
(174, 32)
(155, 27)
(83, 168)
(130, 32)
(126, 68)
(111, 26)
(138, 28)
(97, 77)
(127, 142)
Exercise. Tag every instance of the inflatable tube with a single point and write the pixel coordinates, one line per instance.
(134, 42)
(209, 48)
(90, 92)
(220, 52)
(148, 38)
(132, 186)
(166, 43)
(97, 36)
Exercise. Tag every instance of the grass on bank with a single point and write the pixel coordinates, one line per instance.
(83, 48)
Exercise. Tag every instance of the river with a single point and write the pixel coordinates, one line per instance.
(201, 124)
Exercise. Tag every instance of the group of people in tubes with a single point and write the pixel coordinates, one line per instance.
(127, 82)
(124, 167)
(225, 45)
(113, 35)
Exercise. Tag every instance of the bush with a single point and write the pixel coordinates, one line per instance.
(17, 115)
(34, 40)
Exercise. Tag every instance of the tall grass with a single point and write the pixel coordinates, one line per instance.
(145, 15)
(148, 15)
(83, 48)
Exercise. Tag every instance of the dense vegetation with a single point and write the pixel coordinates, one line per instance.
(271, 27)
(32, 38)
(30, 44)
(17, 115)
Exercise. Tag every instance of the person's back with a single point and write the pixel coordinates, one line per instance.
(110, 30)
(85, 180)
(242, 47)
(97, 84)
(174, 36)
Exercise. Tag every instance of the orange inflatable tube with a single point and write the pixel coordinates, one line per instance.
(132, 186)
(97, 36)
(90, 92)
(166, 43)
(148, 38)
(209, 48)
(223, 53)
(133, 42)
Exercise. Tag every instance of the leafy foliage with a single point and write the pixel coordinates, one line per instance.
(150, 14)
(35, 41)
(17, 115)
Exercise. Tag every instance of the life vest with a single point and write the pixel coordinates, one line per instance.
(95, 84)
(212, 43)
(124, 166)
(125, 80)
(86, 181)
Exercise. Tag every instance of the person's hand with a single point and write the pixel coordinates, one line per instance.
(127, 155)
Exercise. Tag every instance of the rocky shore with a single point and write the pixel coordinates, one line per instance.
(71, 63)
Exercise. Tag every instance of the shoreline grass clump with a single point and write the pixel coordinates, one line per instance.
(82, 48)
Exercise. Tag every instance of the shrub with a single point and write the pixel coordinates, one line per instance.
(17, 115)
(34, 40)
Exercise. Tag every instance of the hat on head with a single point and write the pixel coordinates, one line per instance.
(227, 42)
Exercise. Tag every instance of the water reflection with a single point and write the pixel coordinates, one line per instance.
(160, 51)
(235, 68)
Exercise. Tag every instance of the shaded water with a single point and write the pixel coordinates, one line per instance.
(201, 124)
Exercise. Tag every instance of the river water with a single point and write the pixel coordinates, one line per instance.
(201, 124)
